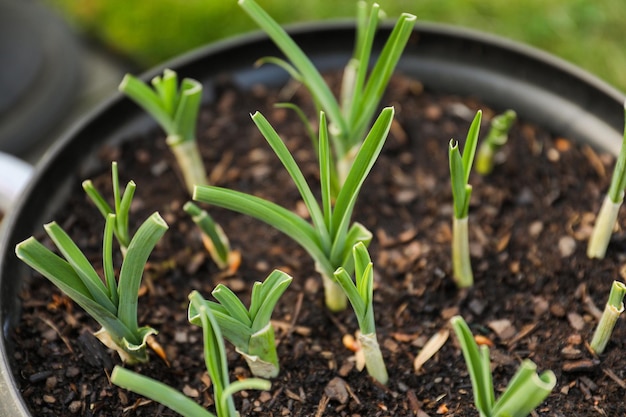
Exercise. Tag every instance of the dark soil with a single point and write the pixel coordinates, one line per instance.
(536, 294)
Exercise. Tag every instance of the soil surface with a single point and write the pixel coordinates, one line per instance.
(536, 295)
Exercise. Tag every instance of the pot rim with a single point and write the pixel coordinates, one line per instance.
(591, 87)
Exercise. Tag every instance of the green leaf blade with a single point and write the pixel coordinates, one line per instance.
(141, 245)
(81, 265)
(232, 304)
(475, 366)
(471, 142)
(149, 100)
(381, 73)
(159, 392)
(276, 216)
(62, 275)
(277, 283)
(363, 163)
(285, 157)
(310, 75)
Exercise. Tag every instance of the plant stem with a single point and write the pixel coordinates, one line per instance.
(374, 361)
(334, 295)
(261, 356)
(159, 392)
(461, 264)
(190, 162)
(603, 229)
(612, 310)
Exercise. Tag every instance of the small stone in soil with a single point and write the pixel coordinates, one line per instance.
(51, 382)
(504, 329)
(576, 321)
(191, 392)
(75, 407)
(49, 399)
(337, 390)
(541, 306)
(477, 306)
(570, 352)
(557, 310)
(567, 246)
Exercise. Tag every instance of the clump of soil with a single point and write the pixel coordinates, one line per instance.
(536, 294)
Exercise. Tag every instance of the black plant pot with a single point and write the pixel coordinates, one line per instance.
(40, 75)
(503, 74)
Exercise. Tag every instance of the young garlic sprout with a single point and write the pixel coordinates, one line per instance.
(176, 110)
(352, 114)
(460, 168)
(612, 310)
(361, 296)
(525, 391)
(605, 221)
(496, 138)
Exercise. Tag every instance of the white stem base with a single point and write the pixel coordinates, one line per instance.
(461, 264)
(190, 164)
(374, 361)
(603, 229)
(258, 366)
(605, 327)
(334, 295)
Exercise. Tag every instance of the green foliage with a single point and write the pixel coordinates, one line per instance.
(361, 296)
(331, 236)
(175, 108)
(525, 391)
(121, 205)
(589, 34)
(362, 88)
(216, 364)
(612, 310)
(496, 138)
(112, 304)
(607, 216)
(618, 180)
(461, 166)
(218, 245)
(249, 329)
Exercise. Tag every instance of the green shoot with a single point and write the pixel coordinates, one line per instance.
(217, 367)
(329, 240)
(525, 391)
(121, 204)
(460, 167)
(176, 110)
(249, 329)
(496, 138)
(605, 221)
(215, 240)
(612, 310)
(158, 391)
(112, 304)
(361, 296)
(361, 94)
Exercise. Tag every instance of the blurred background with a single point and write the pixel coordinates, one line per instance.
(62, 57)
(588, 33)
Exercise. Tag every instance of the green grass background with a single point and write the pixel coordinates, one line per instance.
(588, 33)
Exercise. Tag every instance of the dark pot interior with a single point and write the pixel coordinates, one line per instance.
(542, 89)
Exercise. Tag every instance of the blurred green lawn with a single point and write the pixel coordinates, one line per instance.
(588, 33)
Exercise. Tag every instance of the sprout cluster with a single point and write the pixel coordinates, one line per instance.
(349, 141)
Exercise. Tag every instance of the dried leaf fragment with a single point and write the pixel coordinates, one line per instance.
(431, 347)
